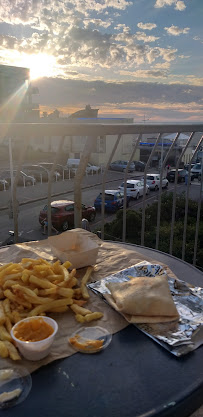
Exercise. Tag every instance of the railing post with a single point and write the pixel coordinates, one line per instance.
(160, 188)
(90, 147)
(14, 198)
(144, 196)
(103, 184)
(51, 174)
(174, 194)
(125, 187)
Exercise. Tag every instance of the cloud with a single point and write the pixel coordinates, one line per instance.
(178, 5)
(146, 26)
(197, 38)
(97, 22)
(176, 31)
(58, 91)
(123, 99)
(154, 73)
(53, 13)
(141, 36)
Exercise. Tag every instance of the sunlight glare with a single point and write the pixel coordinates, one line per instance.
(41, 65)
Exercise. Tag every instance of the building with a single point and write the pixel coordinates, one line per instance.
(16, 95)
(74, 146)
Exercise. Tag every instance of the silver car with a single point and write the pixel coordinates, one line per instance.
(153, 181)
(134, 188)
(121, 166)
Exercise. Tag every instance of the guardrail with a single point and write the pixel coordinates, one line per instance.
(92, 131)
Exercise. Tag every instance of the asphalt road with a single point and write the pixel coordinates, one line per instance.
(28, 215)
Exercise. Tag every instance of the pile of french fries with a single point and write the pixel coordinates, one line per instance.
(34, 287)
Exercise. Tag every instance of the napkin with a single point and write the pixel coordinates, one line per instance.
(143, 300)
(75, 246)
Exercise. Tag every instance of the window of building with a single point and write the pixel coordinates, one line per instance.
(101, 144)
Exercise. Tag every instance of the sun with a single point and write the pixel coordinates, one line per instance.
(40, 65)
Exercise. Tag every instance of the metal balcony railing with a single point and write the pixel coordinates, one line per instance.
(92, 131)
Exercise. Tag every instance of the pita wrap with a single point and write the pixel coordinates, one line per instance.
(143, 300)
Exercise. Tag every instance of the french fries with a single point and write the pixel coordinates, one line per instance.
(84, 281)
(36, 287)
(2, 314)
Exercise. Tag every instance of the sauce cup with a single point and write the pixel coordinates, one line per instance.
(35, 351)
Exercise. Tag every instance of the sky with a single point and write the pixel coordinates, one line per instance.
(128, 58)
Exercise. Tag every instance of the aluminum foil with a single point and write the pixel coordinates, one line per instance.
(179, 337)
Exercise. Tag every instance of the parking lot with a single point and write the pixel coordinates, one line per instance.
(33, 198)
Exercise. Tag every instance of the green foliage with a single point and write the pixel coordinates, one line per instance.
(113, 230)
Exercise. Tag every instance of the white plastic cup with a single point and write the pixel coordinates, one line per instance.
(34, 351)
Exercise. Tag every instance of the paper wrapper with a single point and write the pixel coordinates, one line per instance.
(111, 259)
(75, 247)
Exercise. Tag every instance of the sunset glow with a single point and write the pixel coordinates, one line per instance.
(117, 56)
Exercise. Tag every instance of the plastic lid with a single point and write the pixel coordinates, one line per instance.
(90, 338)
(15, 385)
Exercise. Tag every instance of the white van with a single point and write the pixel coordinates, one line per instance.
(74, 163)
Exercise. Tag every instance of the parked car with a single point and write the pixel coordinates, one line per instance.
(121, 166)
(139, 165)
(23, 178)
(196, 170)
(113, 200)
(182, 173)
(39, 172)
(48, 166)
(153, 181)
(62, 214)
(186, 166)
(4, 185)
(73, 164)
(135, 188)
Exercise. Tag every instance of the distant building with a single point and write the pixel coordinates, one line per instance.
(87, 113)
(74, 145)
(16, 95)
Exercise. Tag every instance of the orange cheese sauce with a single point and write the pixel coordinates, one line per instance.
(87, 344)
(33, 330)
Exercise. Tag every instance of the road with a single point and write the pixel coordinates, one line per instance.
(29, 213)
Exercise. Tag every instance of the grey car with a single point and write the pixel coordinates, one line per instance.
(121, 166)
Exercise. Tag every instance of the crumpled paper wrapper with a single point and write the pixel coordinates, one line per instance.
(111, 259)
(77, 248)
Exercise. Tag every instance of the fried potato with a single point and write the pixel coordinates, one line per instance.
(89, 317)
(79, 302)
(42, 283)
(65, 292)
(93, 316)
(8, 324)
(15, 299)
(52, 304)
(6, 306)
(4, 353)
(80, 310)
(2, 313)
(59, 309)
(4, 335)
(84, 281)
(80, 318)
(13, 353)
(47, 291)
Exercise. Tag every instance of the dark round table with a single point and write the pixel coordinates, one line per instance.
(133, 377)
